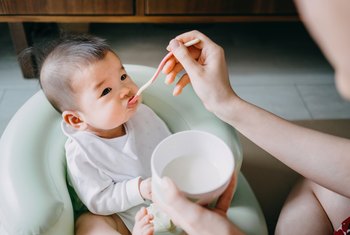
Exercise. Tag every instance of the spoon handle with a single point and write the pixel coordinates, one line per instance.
(160, 66)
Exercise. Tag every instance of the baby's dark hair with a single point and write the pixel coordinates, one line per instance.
(63, 58)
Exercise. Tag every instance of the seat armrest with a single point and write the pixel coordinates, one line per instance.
(34, 195)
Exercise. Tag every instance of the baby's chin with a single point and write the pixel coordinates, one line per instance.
(110, 133)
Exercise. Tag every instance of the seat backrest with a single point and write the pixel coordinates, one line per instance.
(34, 195)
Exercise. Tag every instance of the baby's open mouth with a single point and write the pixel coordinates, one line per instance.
(132, 100)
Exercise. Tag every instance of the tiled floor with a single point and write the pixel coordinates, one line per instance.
(273, 65)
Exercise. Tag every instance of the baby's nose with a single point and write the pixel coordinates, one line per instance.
(124, 93)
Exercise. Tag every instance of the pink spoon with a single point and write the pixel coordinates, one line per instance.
(160, 66)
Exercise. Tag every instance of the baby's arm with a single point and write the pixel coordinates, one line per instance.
(108, 197)
(98, 191)
(143, 225)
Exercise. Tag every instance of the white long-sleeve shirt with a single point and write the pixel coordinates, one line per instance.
(105, 173)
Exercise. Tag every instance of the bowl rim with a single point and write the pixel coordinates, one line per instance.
(224, 181)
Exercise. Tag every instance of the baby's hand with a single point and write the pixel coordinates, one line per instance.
(161, 221)
(146, 188)
(143, 225)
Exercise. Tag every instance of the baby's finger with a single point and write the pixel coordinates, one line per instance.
(148, 229)
(140, 214)
(146, 220)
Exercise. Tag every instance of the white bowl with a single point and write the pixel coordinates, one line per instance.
(200, 164)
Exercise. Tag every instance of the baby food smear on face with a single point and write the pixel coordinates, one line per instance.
(193, 174)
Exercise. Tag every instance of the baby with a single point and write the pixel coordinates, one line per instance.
(110, 140)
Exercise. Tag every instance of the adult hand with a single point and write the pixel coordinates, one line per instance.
(224, 201)
(205, 68)
(191, 217)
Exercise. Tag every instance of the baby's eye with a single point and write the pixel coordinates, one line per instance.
(123, 77)
(106, 91)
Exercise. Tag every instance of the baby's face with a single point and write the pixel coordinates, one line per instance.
(103, 90)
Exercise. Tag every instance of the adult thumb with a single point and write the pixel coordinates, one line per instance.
(172, 194)
(182, 54)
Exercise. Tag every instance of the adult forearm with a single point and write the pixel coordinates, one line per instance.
(320, 157)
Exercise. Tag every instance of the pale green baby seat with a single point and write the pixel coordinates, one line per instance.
(34, 195)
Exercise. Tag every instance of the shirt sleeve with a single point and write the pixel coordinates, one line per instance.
(100, 194)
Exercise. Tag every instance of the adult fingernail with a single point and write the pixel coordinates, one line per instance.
(177, 90)
(168, 80)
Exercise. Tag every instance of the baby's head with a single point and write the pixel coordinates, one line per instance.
(85, 81)
(68, 55)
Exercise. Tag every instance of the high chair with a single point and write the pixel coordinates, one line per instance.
(34, 195)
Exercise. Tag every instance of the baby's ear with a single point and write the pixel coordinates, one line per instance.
(72, 118)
